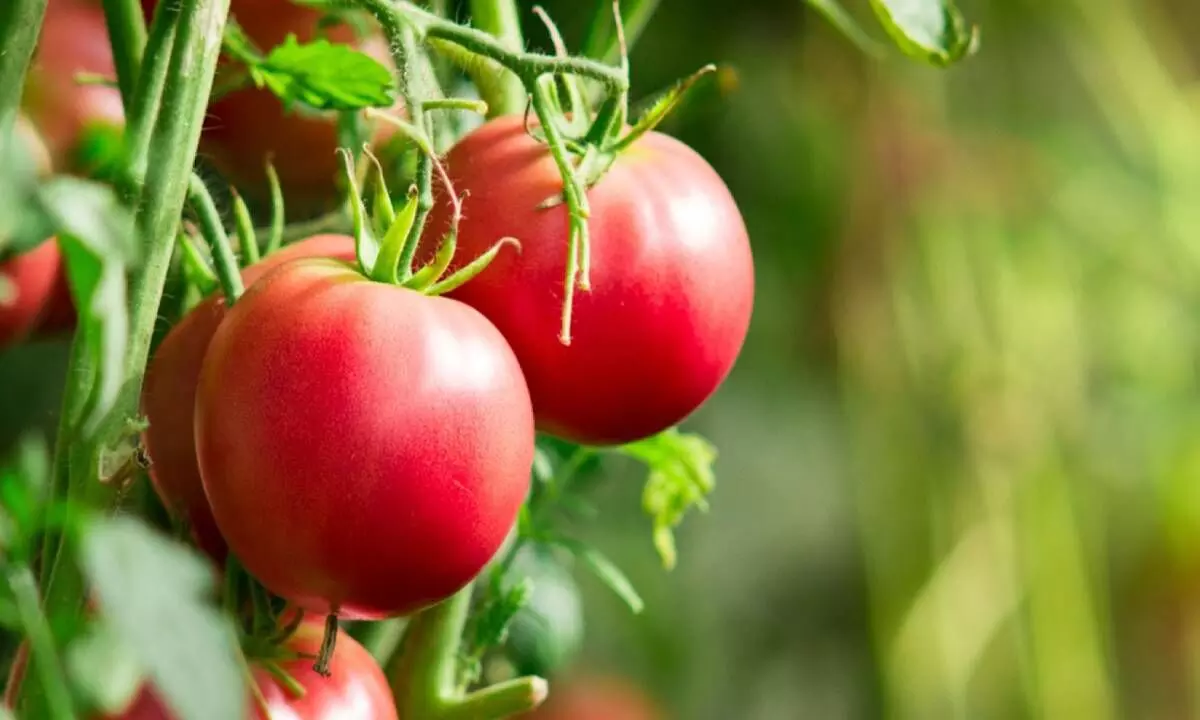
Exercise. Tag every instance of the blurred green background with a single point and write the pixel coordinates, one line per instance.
(959, 470)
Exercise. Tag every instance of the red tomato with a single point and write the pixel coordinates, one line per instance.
(596, 698)
(355, 690)
(671, 274)
(74, 39)
(169, 395)
(246, 127)
(27, 282)
(365, 448)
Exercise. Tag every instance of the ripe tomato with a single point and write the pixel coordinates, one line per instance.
(365, 448)
(169, 395)
(671, 274)
(27, 281)
(74, 39)
(596, 698)
(249, 125)
(355, 690)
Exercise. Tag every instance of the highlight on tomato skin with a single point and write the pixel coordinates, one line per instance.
(169, 395)
(672, 279)
(365, 448)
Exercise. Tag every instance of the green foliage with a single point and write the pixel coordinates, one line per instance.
(324, 75)
(95, 232)
(604, 570)
(488, 625)
(933, 31)
(102, 669)
(149, 589)
(680, 478)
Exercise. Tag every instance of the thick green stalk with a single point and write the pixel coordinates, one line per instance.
(127, 34)
(176, 135)
(501, 19)
(20, 22)
(424, 674)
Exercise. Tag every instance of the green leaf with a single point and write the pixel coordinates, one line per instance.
(23, 224)
(604, 570)
(841, 20)
(325, 76)
(488, 624)
(930, 30)
(102, 668)
(157, 596)
(681, 478)
(95, 233)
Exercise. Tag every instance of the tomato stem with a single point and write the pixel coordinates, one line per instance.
(21, 21)
(500, 18)
(275, 230)
(424, 673)
(47, 672)
(247, 239)
(173, 143)
(214, 233)
(328, 644)
(127, 35)
(141, 114)
(605, 46)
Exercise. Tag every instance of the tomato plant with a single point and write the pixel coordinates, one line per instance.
(365, 449)
(169, 395)
(671, 275)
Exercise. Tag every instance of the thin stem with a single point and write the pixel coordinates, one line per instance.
(42, 656)
(173, 146)
(605, 46)
(214, 233)
(424, 674)
(577, 210)
(275, 231)
(147, 97)
(20, 23)
(500, 19)
(527, 66)
(127, 35)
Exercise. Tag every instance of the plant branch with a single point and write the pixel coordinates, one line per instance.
(147, 96)
(42, 665)
(214, 233)
(500, 19)
(424, 674)
(127, 35)
(20, 23)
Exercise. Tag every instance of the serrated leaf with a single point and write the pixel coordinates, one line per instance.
(157, 597)
(604, 570)
(325, 76)
(930, 30)
(95, 233)
(680, 478)
(836, 15)
(102, 669)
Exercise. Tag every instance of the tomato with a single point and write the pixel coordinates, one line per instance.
(356, 688)
(596, 698)
(365, 448)
(169, 395)
(246, 127)
(74, 39)
(27, 281)
(672, 280)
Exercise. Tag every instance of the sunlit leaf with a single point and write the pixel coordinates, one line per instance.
(681, 478)
(157, 597)
(325, 75)
(930, 30)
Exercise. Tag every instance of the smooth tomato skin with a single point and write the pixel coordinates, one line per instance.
(672, 280)
(596, 698)
(365, 448)
(356, 689)
(169, 395)
(31, 278)
(73, 39)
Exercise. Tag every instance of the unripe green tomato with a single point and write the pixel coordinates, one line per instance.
(547, 633)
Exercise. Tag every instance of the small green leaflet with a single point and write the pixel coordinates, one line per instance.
(604, 570)
(681, 477)
(933, 31)
(489, 623)
(95, 233)
(156, 597)
(325, 76)
(930, 30)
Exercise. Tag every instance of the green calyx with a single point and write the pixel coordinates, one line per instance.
(386, 239)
